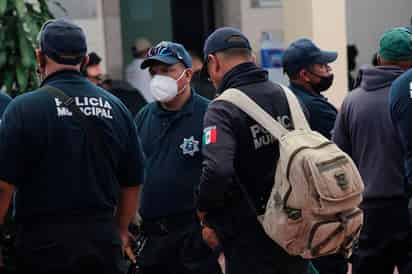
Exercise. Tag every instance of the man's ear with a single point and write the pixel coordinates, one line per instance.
(214, 60)
(86, 61)
(303, 74)
(40, 58)
(83, 65)
(189, 73)
(253, 58)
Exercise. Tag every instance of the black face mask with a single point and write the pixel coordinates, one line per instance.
(324, 84)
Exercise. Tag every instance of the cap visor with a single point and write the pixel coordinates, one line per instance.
(326, 57)
(169, 60)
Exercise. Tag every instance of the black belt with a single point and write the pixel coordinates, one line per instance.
(165, 225)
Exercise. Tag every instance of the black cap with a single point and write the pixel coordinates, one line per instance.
(169, 53)
(225, 38)
(63, 41)
(302, 53)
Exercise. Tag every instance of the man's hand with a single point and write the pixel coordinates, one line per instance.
(125, 236)
(210, 237)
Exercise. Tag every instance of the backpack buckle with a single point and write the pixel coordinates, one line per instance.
(341, 180)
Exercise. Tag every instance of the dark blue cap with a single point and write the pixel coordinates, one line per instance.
(63, 41)
(302, 53)
(225, 38)
(168, 53)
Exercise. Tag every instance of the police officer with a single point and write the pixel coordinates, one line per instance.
(310, 74)
(170, 130)
(239, 161)
(73, 204)
(4, 102)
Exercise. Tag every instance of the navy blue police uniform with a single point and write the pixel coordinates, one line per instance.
(66, 195)
(301, 54)
(239, 167)
(401, 110)
(322, 114)
(171, 142)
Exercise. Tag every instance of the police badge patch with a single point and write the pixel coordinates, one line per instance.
(190, 146)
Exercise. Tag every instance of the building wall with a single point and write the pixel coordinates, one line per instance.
(228, 13)
(368, 19)
(88, 14)
(257, 20)
(144, 18)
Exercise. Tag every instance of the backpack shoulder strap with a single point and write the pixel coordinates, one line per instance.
(242, 101)
(298, 117)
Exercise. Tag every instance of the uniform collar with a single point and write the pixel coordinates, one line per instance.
(296, 88)
(242, 74)
(61, 74)
(187, 108)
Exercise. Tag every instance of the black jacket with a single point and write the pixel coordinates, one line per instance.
(240, 157)
(242, 149)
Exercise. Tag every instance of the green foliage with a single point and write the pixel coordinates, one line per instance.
(20, 23)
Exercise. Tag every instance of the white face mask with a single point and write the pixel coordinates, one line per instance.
(164, 88)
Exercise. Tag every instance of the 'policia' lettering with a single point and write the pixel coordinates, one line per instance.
(90, 106)
(262, 138)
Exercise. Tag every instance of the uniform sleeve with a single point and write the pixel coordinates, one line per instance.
(400, 104)
(12, 145)
(341, 136)
(322, 118)
(219, 148)
(131, 168)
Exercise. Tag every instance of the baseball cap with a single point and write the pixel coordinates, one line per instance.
(225, 38)
(63, 41)
(168, 53)
(304, 52)
(396, 44)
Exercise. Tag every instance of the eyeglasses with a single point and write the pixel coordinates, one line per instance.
(163, 50)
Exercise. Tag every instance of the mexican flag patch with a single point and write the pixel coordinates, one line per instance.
(209, 135)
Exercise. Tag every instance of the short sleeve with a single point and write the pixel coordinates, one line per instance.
(13, 147)
(131, 168)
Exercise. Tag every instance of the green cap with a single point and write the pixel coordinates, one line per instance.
(396, 44)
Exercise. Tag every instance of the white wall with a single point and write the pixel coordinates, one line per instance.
(88, 15)
(368, 19)
(257, 20)
(325, 23)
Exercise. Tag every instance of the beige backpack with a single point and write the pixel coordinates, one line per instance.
(313, 208)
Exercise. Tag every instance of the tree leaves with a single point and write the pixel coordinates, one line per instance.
(26, 49)
(20, 22)
(3, 58)
(3, 6)
(20, 8)
(22, 77)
